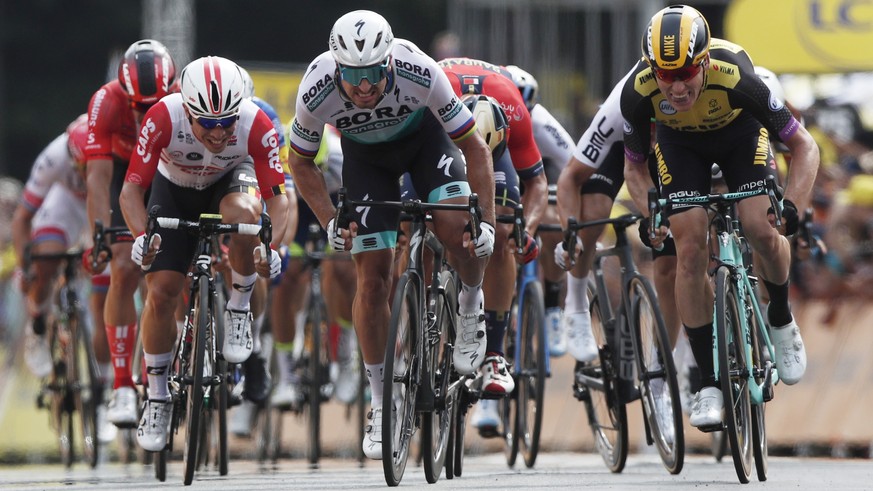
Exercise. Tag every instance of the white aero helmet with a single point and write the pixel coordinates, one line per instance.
(527, 85)
(772, 82)
(212, 87)
(248, 84)
(490, 122)
(361, 38)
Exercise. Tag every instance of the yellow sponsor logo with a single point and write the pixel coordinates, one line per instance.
(762, 151)
(663, 172)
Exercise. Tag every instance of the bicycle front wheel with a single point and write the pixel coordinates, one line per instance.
(200, 313)
(532, 380)
(657, 375)
(399, 380)
(759, 361)
(437, 424)
(607, 415)
(317, 373)
(508, 407)
(732, 371)
(87, 388)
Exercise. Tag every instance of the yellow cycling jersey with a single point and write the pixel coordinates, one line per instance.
(731, 90)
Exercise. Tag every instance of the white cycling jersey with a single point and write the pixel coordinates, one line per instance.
(53, 165)
(416, 84)
(605, 130)
(554, 142)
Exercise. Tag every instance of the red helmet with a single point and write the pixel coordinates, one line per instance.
(147, 72)
(77, 138)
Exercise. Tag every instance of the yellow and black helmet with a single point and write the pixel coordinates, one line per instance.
(677, 37)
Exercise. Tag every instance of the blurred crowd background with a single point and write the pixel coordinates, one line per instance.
(54, 54)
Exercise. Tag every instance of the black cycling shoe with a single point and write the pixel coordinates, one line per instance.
(258, 380)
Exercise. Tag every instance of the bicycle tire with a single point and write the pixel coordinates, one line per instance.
(222, 393)
(508, 406)
(161, 465)
(195, 389)
(460, 424)
(88, 389)
(654, 356)
(759, 428)
(361, 403)
(532, 382)
(607, 415)
(437, 424)
(731, 366)
(316, 319)
(399, 388)
(718, 444)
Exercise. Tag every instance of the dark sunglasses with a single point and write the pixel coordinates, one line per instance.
(356, 74)
(678, 74)
(210, 123)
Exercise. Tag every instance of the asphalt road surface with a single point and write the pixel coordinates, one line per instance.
(552, 471)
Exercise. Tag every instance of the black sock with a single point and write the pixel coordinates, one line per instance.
(552, 296)
(700, 339)
(779, 312)
(495, 327)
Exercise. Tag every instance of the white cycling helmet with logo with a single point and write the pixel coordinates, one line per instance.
(527, 85)
(212, 87)
(360, 39)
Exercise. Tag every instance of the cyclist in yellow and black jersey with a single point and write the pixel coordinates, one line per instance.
(710, 106)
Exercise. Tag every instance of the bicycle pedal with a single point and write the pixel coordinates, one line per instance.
(711, 428)
(581, 393)
(489, 432)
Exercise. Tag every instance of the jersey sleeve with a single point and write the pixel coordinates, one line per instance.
(605, 130)
(154, 137)
(102, 122)
(637, 113)
(456, 119)
(554, 142)
(46, 171)
(263, 147)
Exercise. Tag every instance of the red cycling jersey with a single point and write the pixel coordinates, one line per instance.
(469, 76)
(111, 125)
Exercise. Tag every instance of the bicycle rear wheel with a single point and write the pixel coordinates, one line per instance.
(399, 385)
(732, 370)
(607, 415)
(200, 313)
(437, 424)
(759, 428)
(532, 381)
(508, 406)
(657, 375)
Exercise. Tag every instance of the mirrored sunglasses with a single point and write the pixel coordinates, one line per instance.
(356, 74)
(210, 123)
(678, 74)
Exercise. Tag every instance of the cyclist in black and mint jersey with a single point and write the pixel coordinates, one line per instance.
(710, 106)
(556, 147)
(396, 112)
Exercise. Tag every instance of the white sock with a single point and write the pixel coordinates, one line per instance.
(577, 295)
(157, 367)
(241, 291)
(374, 375)
(470, 298)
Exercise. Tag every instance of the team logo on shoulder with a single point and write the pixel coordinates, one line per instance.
(310, 136)
(775, 103)
(315, 95)
(666, 108)
(415, 73)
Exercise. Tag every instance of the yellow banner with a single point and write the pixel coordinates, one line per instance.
(279, 88)
(804, 36)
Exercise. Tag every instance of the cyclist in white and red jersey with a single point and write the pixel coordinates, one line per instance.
(556, 147)
(396, 112)
(51, 218)
(710, 106)
(207, 149)
(145, 74)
